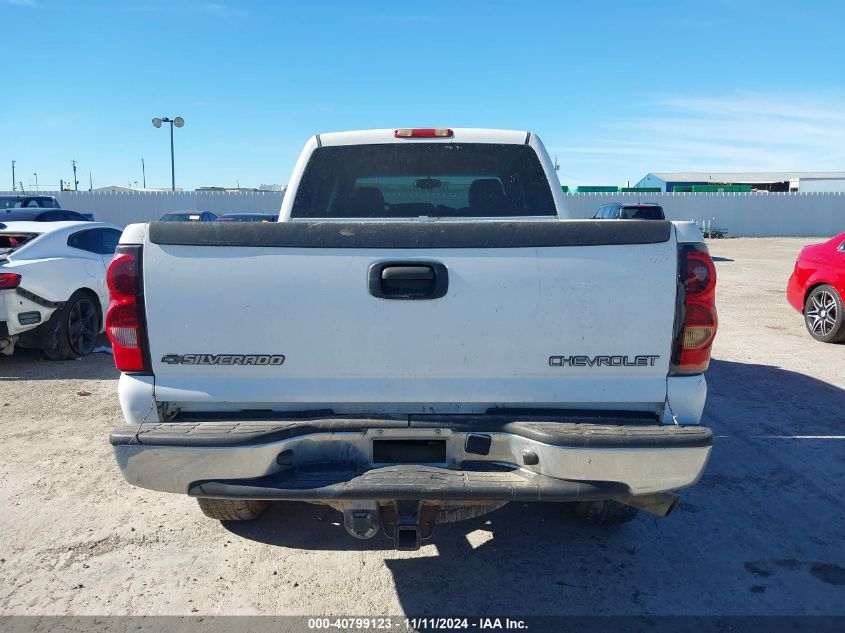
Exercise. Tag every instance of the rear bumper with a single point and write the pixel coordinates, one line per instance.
(527, 458)
(795, 293)
(22, 312)
(410, 483)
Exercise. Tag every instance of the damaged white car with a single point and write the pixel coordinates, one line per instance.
(53, 292)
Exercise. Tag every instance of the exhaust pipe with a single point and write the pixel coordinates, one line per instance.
(659, 503)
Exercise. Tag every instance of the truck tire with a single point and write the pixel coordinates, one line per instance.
(77, 325)
(824, 315)
(604, 512)
(231, 509)
(465, 513)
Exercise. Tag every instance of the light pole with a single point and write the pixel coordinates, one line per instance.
(178, 122)
(75, 181)
(143, 173)
(13, 176)
(36, 181)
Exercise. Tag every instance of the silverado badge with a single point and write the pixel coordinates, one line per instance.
(223, 359)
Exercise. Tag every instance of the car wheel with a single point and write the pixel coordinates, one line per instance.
(231, 509)
(77, 329)
(824, 315)
(604, 512)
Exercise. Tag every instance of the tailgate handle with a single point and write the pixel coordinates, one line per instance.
(408, 280)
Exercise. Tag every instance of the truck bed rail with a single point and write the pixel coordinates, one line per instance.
(422, 235)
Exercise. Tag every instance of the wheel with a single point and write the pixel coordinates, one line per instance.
(78, 325)
(824, 315)
(231, 509)
(605, 512)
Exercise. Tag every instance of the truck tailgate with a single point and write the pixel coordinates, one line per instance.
(535, 316)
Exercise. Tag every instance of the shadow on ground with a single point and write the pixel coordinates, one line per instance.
(771, 400)
(760, 534)
(30, 364)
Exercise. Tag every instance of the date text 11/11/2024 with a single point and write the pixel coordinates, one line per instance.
(416, 624)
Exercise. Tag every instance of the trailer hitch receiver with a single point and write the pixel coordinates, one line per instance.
(408, 523)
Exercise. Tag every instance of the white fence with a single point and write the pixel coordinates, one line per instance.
(742, 214)
(125, 207)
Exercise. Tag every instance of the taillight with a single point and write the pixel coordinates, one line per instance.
(125, 324)
(698, 329)
(424, 132)
(9, 281)
(700, 274)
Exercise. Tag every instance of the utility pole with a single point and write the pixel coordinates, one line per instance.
(75, 181)
(172, 163)
(178, 122)
(13, 176)
(143, 173)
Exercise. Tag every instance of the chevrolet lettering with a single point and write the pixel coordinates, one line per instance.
(603, 361)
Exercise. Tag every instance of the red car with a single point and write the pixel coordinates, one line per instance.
(817, 288)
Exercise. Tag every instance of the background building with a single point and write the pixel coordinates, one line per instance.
(802, 181)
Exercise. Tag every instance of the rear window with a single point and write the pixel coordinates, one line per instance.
(395, 180)
(181, 217)
(641, 213)
(48, 203)
(10, 203)
(11, 241)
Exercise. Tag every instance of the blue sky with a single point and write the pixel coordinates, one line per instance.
(615, 89)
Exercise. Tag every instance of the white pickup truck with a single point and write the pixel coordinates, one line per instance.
(423, 336)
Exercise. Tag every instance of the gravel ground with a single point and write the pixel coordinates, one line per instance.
(761, 533)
